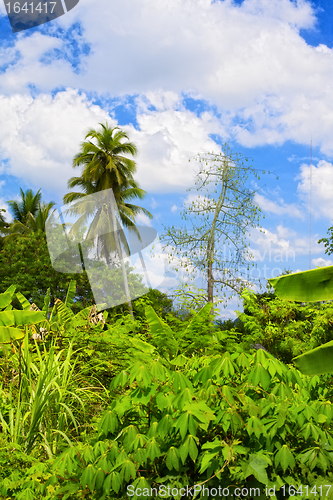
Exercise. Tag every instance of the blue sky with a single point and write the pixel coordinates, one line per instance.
(181, 77)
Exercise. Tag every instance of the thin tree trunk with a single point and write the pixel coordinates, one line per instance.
(211, 242)
(145, 270)
(210, 281)
(120, 254)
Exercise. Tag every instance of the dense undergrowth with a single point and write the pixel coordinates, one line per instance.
(101, 407)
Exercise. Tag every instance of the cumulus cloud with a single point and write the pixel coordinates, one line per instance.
(322, 182)
(40, 136)
(143, 219)
(3, 204)
(248, 60)
(283, 245)
(281, 208)
(7, 215)
(166, 141)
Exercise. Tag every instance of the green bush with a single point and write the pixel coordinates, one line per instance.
(286, 328)
(166, 404)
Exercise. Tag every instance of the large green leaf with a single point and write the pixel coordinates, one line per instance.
(11, 289)
(306, 286)
(5, 299)
(309, 286)
(285, 458)
(46, 306)
(23, 301)
(161, 332)
(156, 324)
(64, 312)
(198, 317)
(256, 467)
(20, 318)
(7, 334)
(70, 293)
(317, 361)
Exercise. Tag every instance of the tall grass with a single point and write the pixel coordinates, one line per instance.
(42, 410)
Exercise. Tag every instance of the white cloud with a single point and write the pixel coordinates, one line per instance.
(197, 200)
(282, 208)
(249, 60)
(3, 204)
(154, 204)
(40, 136)
(7, 215)
(297, 13)
(322, 185)
(166, 141)
(284, 245)
(162, 101)
(143, 219)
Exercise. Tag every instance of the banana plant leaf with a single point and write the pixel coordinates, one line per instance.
(317, 361)
(20, 318)
(23, 301)
(156, 324)
(70, 293)
(7, 334)
(5, 299)
(307, 286)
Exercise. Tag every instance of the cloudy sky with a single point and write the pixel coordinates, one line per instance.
(181, 77)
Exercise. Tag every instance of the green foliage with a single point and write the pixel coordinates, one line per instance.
(211, 419)
(26, 262)
(107, 406)
(44, 409)
(314, 285)
(285, 328)
(328, 242)
(11, 319)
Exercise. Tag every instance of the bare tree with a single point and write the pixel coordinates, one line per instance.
(225, 220)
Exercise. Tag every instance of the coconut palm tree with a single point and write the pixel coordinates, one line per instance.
(34, 222)
(29, 205)
(106, 167)
(29, 214)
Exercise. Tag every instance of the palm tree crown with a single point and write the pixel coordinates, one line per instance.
(29, 205)
(105, 167)
(103, 160)
(29, 214)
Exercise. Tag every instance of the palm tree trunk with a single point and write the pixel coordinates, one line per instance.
(145, 270)
(120, 254)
